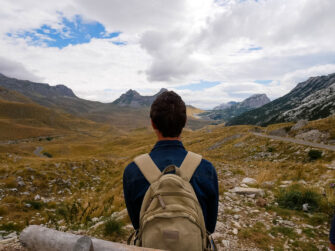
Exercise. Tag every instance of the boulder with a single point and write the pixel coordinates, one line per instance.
(249, 181)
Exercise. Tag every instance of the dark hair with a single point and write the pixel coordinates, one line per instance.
(168, 113)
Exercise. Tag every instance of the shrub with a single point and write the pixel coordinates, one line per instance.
(113, 226)
(35, 204)
(314, 154)
(9, 227)
(49, 155)
(295, 196)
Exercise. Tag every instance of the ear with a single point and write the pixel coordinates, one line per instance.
(153, 125)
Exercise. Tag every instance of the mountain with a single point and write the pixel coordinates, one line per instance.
(225, 105)
(130, 111)
(233, 109)
(311, 99)
(133, 99)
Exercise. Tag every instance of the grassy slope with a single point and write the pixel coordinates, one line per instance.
(89, 166)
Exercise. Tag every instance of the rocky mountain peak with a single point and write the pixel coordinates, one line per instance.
(255, 101)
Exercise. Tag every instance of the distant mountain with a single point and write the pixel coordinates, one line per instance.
(233, 109)
(225, 105)
(311, 99)
(133, 99)
(130, 111)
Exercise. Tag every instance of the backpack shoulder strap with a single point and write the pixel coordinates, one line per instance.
(147, 167)
(190, 163)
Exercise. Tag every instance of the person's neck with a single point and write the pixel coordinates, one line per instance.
(160, 138)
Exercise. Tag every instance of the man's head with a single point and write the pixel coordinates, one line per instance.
(168, 114)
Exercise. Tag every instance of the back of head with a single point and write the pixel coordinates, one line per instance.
(168, 113)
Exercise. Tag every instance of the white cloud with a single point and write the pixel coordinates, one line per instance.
(177, 42)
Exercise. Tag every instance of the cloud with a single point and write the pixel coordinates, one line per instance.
(174, 44)
(16, 70)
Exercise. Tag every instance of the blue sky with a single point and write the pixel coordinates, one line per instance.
(211, 52)
(74, 31)
(202, 85)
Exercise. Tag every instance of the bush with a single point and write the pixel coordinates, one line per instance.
(113, 226)
(49, 155)
(295, 196)
(314, 154)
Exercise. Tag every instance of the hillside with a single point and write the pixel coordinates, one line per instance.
(131, 106)
(8, 95)
(29, 120)
(232, 109)
(61, 192)
(310, 100)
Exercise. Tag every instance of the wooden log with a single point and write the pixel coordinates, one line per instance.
(40, 238)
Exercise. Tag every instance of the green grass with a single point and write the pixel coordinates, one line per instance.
(295, 196)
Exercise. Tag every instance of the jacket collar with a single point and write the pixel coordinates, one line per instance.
(167, 143)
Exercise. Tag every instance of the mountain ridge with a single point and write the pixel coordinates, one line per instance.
(273, 112)
(234, 109)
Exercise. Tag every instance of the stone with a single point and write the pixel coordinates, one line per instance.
(299, 231)
(267, 184)
(235, 231)
(225, 243)
(37, 197)
(245, 191)
(305, 207)
(21, 183)
(300, 124)
(249, 181)
(261, 202)
(11, 235)
(84, 243)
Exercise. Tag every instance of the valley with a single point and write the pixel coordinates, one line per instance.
(59, 189)
(62, 160)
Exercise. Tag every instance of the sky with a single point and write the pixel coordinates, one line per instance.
(208, 51)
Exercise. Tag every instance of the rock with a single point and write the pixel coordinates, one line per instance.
(11, 235)
(286, 182)
(84, 243)
(235, 231)
(313, 136)
(225, 243)
(249, 181)
(267, 184)
(219, 226)
(251, 196)
(299, 231)
(236, 216)
(305, 207)
(245, 191)
(95, 219)
(261, 202)
(27, 205)
(300, 124)
(37, 197)
(21, 183)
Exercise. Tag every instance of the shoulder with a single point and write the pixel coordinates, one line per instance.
(206, 169)
(131, 173)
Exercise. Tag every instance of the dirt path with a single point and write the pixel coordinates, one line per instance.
(298, 141)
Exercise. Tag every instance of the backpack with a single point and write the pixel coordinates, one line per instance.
(171, 217)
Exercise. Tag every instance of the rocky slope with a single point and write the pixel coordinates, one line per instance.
(312, 99)
(232, 109)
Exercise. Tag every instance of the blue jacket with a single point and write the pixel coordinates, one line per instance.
(332, 231)
(165, 153)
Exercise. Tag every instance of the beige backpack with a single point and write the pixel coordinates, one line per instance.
(171, 217)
